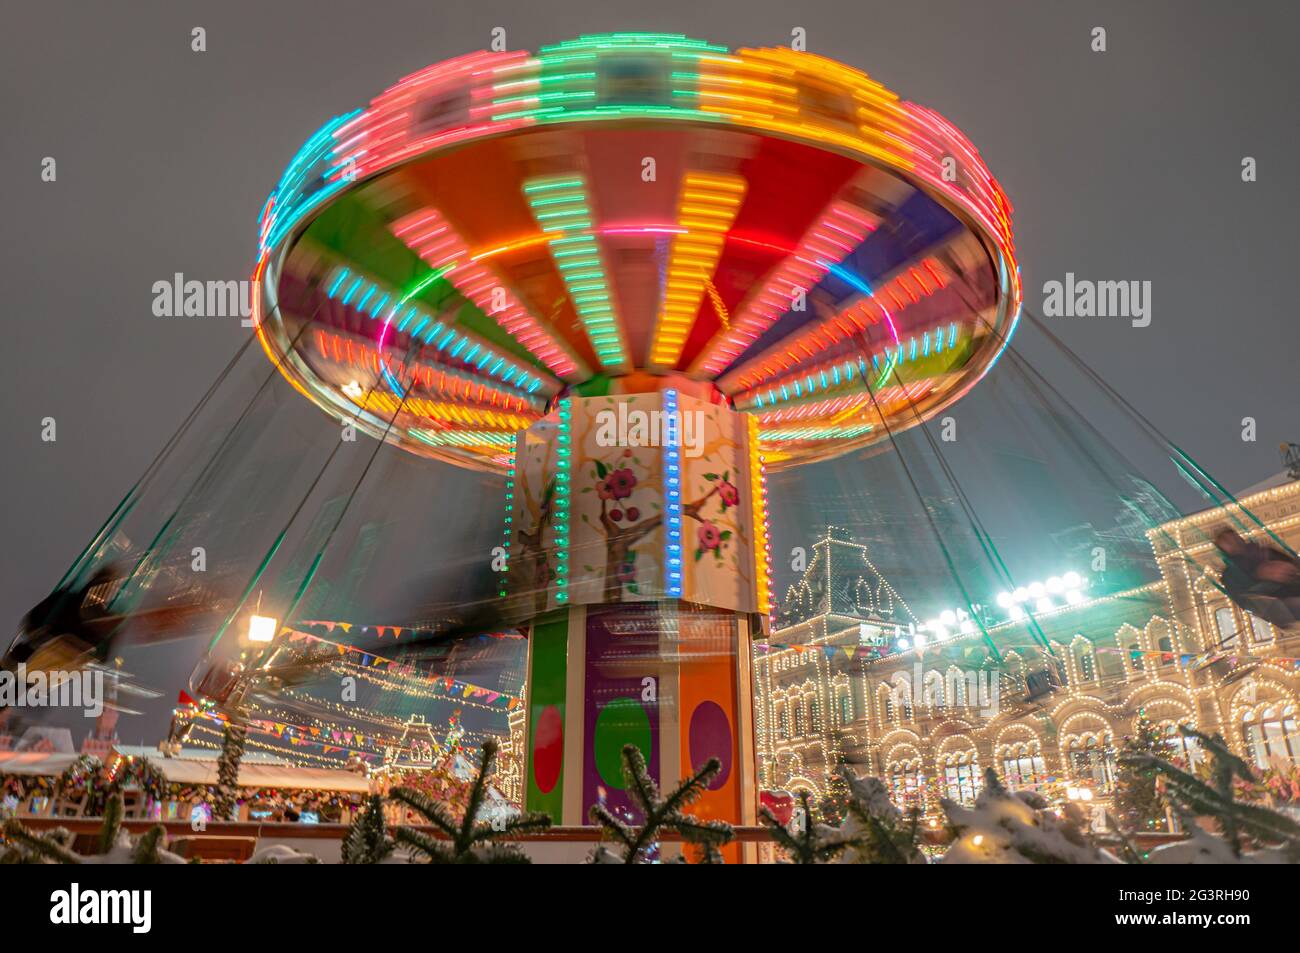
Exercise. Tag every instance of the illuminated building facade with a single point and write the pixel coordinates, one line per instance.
(930, 720)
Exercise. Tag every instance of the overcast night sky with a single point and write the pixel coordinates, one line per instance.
(1120, 165)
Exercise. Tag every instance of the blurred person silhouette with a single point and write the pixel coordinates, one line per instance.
(1261, 579)
(67, 628)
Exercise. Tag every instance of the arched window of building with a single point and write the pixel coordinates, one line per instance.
(1166, 646)
(1022, 765)
(961, 776)
(1092, 758)
(1082, 651)
(1271, 733)
(1015, 671)
(1109, 663)
(846, 708)
(782, 721)
(1225, 620)
(1177, 746)
(906, 786)
(1135, 656)
(798, 717)
(887, 708)
(814, 715)
(1260, 630)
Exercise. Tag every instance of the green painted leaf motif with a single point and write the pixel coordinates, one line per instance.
(698, 554)
(725, 535)
(601, 470)
(710, 476)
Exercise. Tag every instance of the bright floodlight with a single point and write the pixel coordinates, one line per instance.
(261, 628)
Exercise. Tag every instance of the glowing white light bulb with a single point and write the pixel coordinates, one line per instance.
(261, 628)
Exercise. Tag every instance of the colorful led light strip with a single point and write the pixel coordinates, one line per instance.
(805, 434)
(904, 289)
(343, 350)
(562, 210)
(707, 207)
(446, 413)
(762, 539)
(672, 497)
(507, 532)
(469, 439)
(563, 496)
(844, 375)
(430, 235)
(454, 344)
(840, 229)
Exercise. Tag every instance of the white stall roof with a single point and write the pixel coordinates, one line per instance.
(199, 767)
(35, 763)
(254, 772)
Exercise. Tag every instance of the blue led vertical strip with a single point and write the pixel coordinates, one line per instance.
(563, 470)
(672, 496)
(510, 512)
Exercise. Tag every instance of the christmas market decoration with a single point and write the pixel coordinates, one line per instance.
(1017, 828)
(1139, 805)
(1239, 822)
(368, 840)
(885, 835)
(113, 844)
(654, 814)
(232, 751)
(468, 840)
(804, 840)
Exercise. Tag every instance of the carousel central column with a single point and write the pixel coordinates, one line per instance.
(638, 547)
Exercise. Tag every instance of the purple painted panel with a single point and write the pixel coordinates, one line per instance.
(622, 651)
(710, 737)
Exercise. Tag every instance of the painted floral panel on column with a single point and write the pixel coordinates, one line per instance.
(717, 538)
(617, 499)
(532, 515)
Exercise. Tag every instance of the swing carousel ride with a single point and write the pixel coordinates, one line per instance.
(632, 274)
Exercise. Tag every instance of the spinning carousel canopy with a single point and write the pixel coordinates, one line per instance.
(763, 228)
